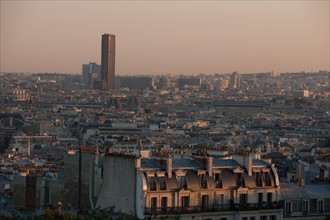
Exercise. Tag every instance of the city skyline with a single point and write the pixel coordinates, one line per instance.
(156, 37)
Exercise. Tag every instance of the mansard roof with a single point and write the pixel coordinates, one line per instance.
(225, 163)
(149, 164)
(185, 164)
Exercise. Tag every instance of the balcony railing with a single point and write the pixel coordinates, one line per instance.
(213, 208)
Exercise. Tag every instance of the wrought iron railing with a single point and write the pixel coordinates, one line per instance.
(212, 208)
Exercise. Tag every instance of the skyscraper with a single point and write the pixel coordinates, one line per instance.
(108, 61)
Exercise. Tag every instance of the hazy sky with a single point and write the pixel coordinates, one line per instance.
(158, 37)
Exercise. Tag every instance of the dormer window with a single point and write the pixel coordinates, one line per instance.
(268, 179)
(162, 183)
(218, 181)
(152, 184)
(182, 182)
(240, 180)
(259, 179)
(181, 178)
(203, 181)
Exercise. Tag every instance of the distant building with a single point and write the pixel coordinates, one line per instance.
(135, 82)
(301, 93)
(305, 202)
(235, 80)
(108, 61)
(224, 84)
(163, 83)
(188, 82)
(90, 73)
(28, 192)
(275, 74)
(241, 106)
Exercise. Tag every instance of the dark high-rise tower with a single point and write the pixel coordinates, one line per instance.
(108, 61)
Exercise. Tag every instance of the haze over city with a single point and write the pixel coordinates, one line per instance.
(177, 37)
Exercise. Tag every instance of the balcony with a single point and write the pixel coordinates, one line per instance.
(213, 208)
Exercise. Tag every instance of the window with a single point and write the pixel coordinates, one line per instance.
(205, 201)
(297, 206)
(306, 204)
(320, 206)
(269, 197)
(259, 180)
(260, 198)
(263, 217)
(185, 201)
(273, 217)
(245, 218)
(218, 181)
(300, 206)
(268, 180)
(153, 203)
(162, 183)
(220, 200)
(163, 203)
(243, 199)
(294, 206)
(312, 206)
(182, 182)
(152, 184)
(240, 180)
(288, 207)
(203, 181)
(252, 218)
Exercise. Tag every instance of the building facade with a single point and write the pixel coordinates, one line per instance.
(191, 188)
(135, 82)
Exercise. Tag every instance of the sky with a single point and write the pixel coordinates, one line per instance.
(166, 37)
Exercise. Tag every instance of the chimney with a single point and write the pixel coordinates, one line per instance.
(248, 164)
(169, 167)
(138, 163)
(301, 182)
(29, 147)
(300, 174)
(210, 165)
